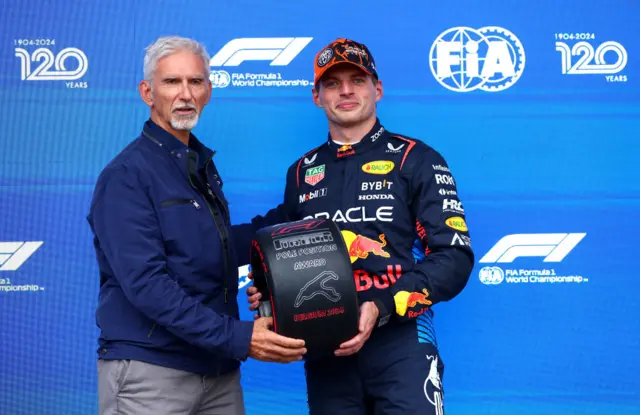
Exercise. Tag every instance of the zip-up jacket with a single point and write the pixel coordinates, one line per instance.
(391, 196)
(166, 257)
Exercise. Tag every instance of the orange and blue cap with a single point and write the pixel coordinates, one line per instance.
(342, 51)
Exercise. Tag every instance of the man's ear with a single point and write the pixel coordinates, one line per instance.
(146, 93)
(316, 96)
(379, 90)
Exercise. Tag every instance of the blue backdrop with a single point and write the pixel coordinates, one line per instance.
(535, 106)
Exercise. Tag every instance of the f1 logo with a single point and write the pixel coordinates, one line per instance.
(14, 254)
(553, 246)
(279, 50)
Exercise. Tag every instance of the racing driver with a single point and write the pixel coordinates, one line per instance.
(396, 203)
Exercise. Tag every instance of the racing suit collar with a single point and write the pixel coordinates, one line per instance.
(369, 141)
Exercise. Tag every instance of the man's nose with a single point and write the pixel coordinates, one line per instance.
(346, 88)
(185, 91)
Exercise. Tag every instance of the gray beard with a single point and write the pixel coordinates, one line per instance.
(181, 123)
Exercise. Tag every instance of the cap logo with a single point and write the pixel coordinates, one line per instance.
(356, 51)
(325, 57)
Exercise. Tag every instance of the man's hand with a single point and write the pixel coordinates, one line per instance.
(253, 296)
(268, 346)
(368, 316)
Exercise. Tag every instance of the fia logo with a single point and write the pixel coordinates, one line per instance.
(47, 60)
(463, 59)
(219, 79)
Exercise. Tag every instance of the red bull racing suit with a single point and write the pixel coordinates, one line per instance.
(396, 203)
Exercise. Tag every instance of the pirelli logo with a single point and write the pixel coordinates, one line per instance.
(290, 242)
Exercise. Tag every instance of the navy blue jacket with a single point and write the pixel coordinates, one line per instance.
(166, 256)
(397, 205)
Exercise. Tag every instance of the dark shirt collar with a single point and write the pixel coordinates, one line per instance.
(165, 139)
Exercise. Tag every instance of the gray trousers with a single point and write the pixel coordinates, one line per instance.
(131, 387)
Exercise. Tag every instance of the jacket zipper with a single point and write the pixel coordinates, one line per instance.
(223, 235)
(222, 232)
(152, 329)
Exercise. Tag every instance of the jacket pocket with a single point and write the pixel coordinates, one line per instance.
(173, 202)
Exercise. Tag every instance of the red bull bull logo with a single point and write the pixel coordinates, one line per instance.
(345, 150)
(418, 298)
(405, 300)
(360, 246)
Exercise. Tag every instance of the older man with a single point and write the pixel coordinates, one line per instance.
(170, 337)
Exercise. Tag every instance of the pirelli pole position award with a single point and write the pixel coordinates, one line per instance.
(303, 271)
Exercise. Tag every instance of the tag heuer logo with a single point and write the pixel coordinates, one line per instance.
(313, 175)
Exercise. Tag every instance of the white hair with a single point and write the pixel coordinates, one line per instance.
(169, 45)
